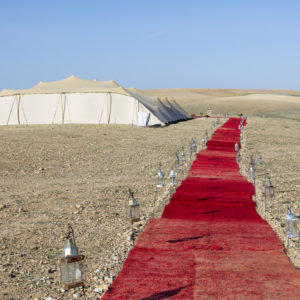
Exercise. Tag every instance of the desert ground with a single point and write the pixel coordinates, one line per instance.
(264, 103)
(278, 141)
(78, 175)
(52, 176)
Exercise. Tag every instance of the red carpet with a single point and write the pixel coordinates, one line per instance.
(210, 243)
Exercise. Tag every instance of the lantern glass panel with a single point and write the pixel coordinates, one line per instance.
(259, 159)
(270, 191)
(194, 145)
(291, 228)
(133, 212)
(236, 147)
(238, 157)
(160, 179)
(172, 177)
(71, 273)
(252, 173)
(183, 158)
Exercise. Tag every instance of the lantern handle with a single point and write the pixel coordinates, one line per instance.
(131, 194)
(70, 234)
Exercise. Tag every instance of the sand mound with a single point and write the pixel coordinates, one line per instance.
(275, 103)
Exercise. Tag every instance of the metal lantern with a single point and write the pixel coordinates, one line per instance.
(183, 158)
(238, 157)
(160, 178)
(177, 161)
(236, 147)
(194, 145)
(203, 142)
(133, 209)
(259, 159)
(269, 189)
(172, 177)
(218, 121)
(291, 228)
(252, 164)
(190, 149)
(71, 264)
(252, 173)
(206, 138)
(242, 141)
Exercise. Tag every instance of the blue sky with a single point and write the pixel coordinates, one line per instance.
(152, 44)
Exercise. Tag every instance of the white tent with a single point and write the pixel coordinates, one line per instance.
(75, 100)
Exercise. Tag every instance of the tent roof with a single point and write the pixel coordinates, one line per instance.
(71, 84)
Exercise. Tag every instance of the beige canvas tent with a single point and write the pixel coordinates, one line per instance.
(75, 100)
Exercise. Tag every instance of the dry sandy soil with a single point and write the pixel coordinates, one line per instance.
(80, 174)
(278, 141)
(271, 103)
(52, 176)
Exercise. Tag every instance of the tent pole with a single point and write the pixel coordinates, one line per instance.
(108, 107)
(18, 108)
(63, 104)
(11, 111)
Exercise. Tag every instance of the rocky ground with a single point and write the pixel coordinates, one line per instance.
(51, 176)
(278, 141)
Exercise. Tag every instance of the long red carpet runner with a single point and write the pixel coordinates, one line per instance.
(210, 243)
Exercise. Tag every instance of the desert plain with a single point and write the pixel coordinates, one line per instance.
(52, 176)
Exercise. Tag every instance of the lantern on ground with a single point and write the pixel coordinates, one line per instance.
(183, 158)
(236, 147)
(160, 177)
(291, 229)
(252, 173)
(133, 209)
(203, 142)
(252, 164)
(190, 150)
(269, 189)
(172, 177)
(242, 142)
(71, 263)
(206, 138)
(177, 161)
(259, 159)
(194, 145)
(238, 157)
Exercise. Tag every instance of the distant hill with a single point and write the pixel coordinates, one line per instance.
(273, 103)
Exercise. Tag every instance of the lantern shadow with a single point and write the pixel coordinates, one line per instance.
(165, 294)
(211, 212)
(186, 239)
